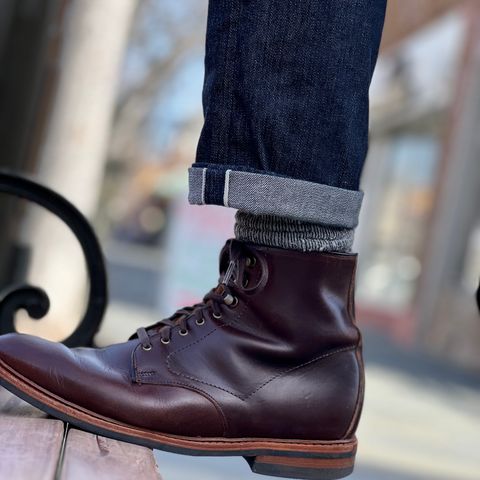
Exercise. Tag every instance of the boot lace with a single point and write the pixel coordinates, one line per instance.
(234, 281)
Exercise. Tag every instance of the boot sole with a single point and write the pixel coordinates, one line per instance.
(301, 459)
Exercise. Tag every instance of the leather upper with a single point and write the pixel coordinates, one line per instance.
(281, 361)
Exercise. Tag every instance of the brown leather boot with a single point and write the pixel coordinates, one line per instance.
(268, 367)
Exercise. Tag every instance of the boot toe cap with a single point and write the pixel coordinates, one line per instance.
(35, 359)
(99, 380)
(85, 377)
(26, 355)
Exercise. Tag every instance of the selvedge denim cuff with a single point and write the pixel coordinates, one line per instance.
(262, 193)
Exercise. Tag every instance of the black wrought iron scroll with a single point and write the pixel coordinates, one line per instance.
(35, 300)
(478, 297)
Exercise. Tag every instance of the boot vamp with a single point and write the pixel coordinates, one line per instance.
(100, 381)
(266, 386)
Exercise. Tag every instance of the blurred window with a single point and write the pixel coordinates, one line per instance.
(412, 93)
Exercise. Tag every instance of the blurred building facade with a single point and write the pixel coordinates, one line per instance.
(419, 235)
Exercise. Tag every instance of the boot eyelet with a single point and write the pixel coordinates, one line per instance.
(245, 283)
(147, 348)
(217, 316)
(231, 301)
(251, 261)
(165, 341)
(200, 322)
(183, 333)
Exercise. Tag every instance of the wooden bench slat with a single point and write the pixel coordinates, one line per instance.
(92, 456)
(29, 447)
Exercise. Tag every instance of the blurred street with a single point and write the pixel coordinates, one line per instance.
(421, 417)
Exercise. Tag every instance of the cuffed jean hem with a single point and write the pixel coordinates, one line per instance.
(267, 194)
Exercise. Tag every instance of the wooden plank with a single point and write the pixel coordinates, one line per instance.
(29, 447)
(92, 456)
(12, 406)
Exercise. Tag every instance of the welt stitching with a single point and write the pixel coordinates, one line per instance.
(325, 445)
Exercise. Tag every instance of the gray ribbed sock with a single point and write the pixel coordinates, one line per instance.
(282, 232)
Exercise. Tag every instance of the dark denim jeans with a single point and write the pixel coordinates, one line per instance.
(286, 107)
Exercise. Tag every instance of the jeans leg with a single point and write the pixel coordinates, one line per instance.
(286, 107)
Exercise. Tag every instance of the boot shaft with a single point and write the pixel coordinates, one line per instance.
(306, 299)
(301, 313)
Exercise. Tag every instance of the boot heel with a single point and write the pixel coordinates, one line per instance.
(305, 468)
